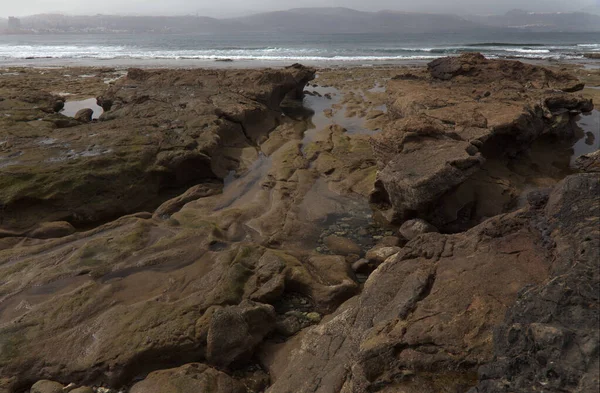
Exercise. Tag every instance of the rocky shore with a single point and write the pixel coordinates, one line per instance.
(389, 229)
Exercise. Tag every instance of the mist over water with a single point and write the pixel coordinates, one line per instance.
(298, 47)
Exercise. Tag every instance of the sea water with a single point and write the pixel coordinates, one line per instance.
(322, 48)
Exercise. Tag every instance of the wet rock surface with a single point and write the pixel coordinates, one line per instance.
(274, 274)
(448, 136)
(161, 133)
(433, 308)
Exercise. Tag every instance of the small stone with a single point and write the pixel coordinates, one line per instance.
(389, 233)
(314, 317)
(378, 255)
(84, 115)
(290, 324)
(342, 246)
(413, 228)
(45, 386)
(351, 258)
(70, 387)
(390, 241)
(377, 237)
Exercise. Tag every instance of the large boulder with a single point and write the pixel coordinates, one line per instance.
(426, 318)
(549, 337)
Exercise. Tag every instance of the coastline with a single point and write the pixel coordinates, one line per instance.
(255, 64)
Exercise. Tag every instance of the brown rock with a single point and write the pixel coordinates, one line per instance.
(413, 228)
(191, 378)
(49, 230)
(588, 162)
(235, 331)
(84, 115)
(46, 386)
(378, 255)
(341, 245)
(438, 302)
(432, 149)
(390, 241)
(144, 148)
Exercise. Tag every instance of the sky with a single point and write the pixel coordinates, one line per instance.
(231, 8)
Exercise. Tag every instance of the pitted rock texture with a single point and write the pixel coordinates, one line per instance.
(549, 338)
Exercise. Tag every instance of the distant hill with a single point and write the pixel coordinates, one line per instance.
(115, 23)
(536, 21)
(311, 20)
(344, 20)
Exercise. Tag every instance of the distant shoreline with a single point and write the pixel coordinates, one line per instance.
(249, 64)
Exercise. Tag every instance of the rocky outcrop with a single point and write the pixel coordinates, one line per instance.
(447, 124)
(425, 320)
(163, 131)
(549, 338)
(252, 280)
(195, 304)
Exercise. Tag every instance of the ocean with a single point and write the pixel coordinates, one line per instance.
(310, 48)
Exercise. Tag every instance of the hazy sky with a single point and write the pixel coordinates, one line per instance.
(241, 7)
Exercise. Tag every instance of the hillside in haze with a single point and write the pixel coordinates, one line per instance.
(310, 20)
(532, 21)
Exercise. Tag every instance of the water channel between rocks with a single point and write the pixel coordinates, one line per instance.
(330, 213)
(72, 107)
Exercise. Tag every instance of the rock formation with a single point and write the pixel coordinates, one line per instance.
(246, 257)
(166, 130)
(471, 109)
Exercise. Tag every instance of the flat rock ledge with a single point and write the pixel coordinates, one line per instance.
(447, 122)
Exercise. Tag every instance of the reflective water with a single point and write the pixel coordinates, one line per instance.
(589, 136)
(72, 107)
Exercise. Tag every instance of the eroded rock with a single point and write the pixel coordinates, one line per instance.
(235, 331)
(166, 130)
(434, 307)
(431, 154)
